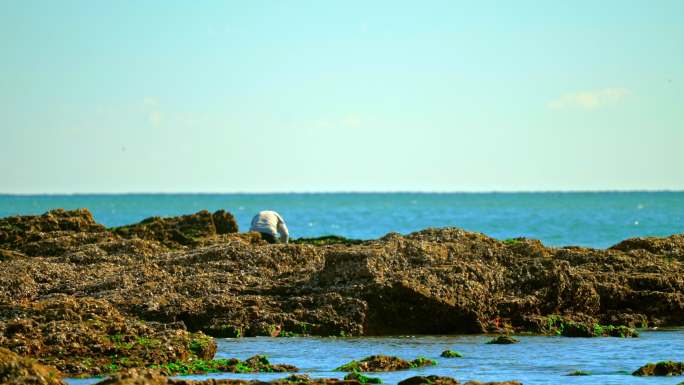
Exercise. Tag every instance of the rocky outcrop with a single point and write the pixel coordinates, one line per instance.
(61, 272)
(52, 233)
(437, 380)
(380, 363)
(664, 368)
(185, 230)
(429, 380)
(151, 377)
(451, 354)
(255, 364)
(17, 370)
(503, 340)
(362, 378)
(89, 336)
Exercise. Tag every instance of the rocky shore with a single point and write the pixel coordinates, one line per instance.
(88, 300)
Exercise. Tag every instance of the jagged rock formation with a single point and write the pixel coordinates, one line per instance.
(151, 377)
(664, 368)
(381, 363)
(225, 284)
(17, 370)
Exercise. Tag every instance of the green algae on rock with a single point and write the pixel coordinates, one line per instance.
(356, 376)
(89, 337)
(663, 368)
(437, 380)
(503, 340)
(152, 377)
(422, 361)
(429, 380)
(493, 383)
(326, 240)
(451, 354)
(559, 325)
(380, 363)
(255, 364)
(578, 373)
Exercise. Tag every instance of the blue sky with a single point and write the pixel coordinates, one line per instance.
(170, 96)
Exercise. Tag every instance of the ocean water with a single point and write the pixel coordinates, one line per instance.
(536, 360)
(597, 219)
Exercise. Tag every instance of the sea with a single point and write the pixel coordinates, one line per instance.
(593, 219)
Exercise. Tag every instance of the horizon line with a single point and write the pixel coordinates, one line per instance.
(350, 192)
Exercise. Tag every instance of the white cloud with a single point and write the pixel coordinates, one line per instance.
(590, 100)
(151, 108)
(150, 101)
(155, 118)
(351, 121)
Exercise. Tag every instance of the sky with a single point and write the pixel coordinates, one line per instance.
(280, 96)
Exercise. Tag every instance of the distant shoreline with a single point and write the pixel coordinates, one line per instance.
(484, 192)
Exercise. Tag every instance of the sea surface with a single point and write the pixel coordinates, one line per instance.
(536, 360)
(597, 219)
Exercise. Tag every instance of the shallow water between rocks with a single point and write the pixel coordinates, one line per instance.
(535, 360)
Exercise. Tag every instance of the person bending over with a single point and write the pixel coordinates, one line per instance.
(269, 224)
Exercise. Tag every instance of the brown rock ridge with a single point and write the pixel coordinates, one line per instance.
(663, 368)
(151, 377)
(17, 370)
(89, 336)
(382, 363)
(435, 281)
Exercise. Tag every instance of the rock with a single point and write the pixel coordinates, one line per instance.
(181, 231)
(326, 240)
(429, 380)
(579, 373)
(17, 370)
(572, 329)
(137, 377)
(380, 363)
(298, 378)
(663, 368)
(555, 324)
(451, 354)
(89, 336)
(356, 376)
(668, 247)
(255, 364)
(66, 280)
(503, 340)
(150, 377)
(49, 234)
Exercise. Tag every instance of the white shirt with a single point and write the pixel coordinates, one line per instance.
(270, 222)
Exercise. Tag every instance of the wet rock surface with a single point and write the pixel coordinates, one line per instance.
(356, 376)
(503, 340)
(151, 377)
(255, 364)
(74, 294)
(427, 380)
(89, 336)
(380, 363)
(451, 354)
(664, 368)
(18, 370)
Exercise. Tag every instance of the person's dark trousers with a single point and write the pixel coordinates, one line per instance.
(270, 238)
